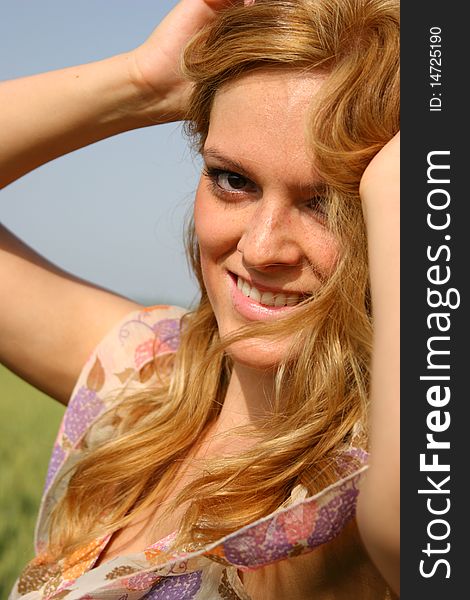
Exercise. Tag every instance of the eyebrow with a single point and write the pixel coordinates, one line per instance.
(226, 161)
(318, 188)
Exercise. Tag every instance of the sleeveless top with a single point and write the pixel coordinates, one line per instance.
(123, 362)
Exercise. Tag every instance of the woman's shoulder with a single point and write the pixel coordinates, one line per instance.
(124, 358)
(129, 346)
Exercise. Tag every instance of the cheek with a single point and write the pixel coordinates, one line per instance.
(216, 231)
(328, 253)
(321, 248)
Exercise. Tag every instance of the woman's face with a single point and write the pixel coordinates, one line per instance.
(259, 209)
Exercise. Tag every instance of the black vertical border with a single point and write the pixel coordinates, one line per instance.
(424, 131)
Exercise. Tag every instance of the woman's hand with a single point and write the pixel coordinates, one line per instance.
(157, 61)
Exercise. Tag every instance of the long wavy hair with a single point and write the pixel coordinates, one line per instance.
(321, 400)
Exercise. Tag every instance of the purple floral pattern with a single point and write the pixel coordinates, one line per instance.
(333, 517)
(83, 408)
(179, 587)
(168, 332)
(255, 547)
(57, 458)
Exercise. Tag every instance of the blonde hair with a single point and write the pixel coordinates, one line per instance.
(322, 389)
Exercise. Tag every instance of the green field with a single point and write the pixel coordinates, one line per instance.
(29, 422)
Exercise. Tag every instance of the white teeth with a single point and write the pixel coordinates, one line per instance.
(266, 298)
(280, 300)
(246, 289)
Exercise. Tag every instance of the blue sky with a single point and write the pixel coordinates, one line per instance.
(113, 212)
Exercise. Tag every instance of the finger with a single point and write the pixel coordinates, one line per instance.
(219, 4)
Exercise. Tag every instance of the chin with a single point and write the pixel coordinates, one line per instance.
(259, 354)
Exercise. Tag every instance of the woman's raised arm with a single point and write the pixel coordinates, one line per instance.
(45, 116)
(50, 320)
(378, 505)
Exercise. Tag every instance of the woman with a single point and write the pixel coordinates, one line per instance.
(220, 454)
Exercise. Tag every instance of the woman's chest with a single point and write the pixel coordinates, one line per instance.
(155, 524)
(153, 527)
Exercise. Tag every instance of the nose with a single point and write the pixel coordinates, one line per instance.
(269, 237)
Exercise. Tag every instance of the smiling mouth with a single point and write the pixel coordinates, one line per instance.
(277, 299)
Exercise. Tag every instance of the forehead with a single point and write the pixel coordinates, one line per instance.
(262, 119)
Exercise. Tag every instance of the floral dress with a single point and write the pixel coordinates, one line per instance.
(123, 361)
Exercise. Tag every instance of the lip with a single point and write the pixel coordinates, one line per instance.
(251, 309)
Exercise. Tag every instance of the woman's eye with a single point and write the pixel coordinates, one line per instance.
(318, 205)
(230, 182)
